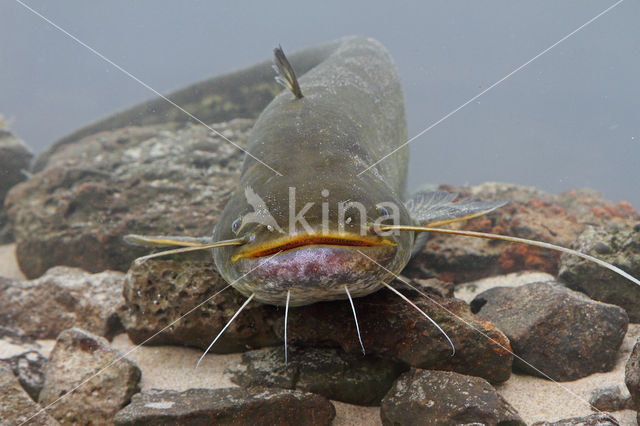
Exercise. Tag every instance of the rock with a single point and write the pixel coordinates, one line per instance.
(28, 367)
(159, 292)
(87, 381)
(632, 374)
(598, 419)
(532, 214)
(560, 333)
(25, 358)
(468, 291)
(422, 397)
(393, 329)
(15, 405)
(62, 298)
(610, 399)
(14, 160)
(331, 373)
(144, 180)
(619, 246)
(232, 406)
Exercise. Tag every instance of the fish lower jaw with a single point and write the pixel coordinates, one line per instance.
(314, 274)
(300, 296)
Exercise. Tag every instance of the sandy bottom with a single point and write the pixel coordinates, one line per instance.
(173, 367)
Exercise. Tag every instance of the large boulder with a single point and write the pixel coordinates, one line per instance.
(145, 180)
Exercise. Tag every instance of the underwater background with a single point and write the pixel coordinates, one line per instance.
(567, 120)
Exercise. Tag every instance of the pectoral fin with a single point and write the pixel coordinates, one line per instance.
(165, 241)
(436, 208)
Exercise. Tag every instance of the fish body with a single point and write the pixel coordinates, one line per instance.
(351, 115)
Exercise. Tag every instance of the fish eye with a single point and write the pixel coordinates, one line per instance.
(235, 226)
(270, 228)
(382, 211)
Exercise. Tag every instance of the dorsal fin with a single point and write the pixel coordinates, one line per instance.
(285, 74)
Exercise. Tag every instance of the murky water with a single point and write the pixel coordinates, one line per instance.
(567, 120)
(506, 91)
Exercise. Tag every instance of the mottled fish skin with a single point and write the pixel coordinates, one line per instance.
(351, 115)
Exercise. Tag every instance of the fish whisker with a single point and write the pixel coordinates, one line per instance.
(511, 239)
(246, 302)
(286, 317)
(453, 348)
(355, 317)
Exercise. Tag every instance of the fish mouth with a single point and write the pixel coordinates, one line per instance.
(298, 241)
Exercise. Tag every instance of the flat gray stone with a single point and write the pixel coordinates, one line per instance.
(598, 419)
(228, 406)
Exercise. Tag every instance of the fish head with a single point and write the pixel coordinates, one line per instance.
(312, 237)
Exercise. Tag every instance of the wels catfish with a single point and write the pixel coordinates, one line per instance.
(316, 215)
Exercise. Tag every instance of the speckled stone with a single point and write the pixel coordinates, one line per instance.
(560, 333)
(228, 406)
(598, 419)
(531, 213)
(351, 378)
(142, 180)
(617, 245)
(179, 302)
(16, 407)
(62, 298)
(87, 381)
(423, 397)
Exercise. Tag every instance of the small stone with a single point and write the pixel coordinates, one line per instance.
(610, 399)
(350, 378)
(560, 333)
(632, 374)
(16, 407)
(86, 380)
(423, 397)
(622, 250)
(62, 298)
(229, 406)
(598, 419)
(158, 292)
(14, 161)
